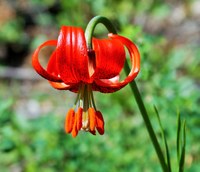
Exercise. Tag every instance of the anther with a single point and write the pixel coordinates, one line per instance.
(74, 130)
(92, 119)
(69, 120)
(100, 122)
(79, 118)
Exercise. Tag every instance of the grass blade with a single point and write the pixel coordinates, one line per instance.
(182, 158)
(164, 139)
(178, 142)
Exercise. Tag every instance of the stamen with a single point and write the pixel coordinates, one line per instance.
(74, 130)
(86, 118)
(69, 121)
(100, 122)
(79, 118)
(92, 119)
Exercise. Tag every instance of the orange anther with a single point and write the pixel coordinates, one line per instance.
(74, 130)
(69, 120)
(100, 122)
(79, 118)
(92, 119)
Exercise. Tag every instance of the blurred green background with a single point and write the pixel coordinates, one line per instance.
(32, 113)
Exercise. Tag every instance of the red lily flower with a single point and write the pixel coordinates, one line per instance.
(73, 67)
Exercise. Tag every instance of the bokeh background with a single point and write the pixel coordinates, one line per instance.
(167, 33)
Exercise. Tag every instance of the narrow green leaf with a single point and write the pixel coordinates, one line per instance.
(178, 142)
(182, 159)
(164, 140)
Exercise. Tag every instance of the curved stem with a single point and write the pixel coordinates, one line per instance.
(91, 26)
(147, 122)
(88, 35)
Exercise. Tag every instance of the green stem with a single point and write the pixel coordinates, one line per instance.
(146, 119)
(91, 26)
(88, 35)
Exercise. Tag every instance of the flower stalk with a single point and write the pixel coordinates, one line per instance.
(147, 122)
(88, 34)
(91, 26)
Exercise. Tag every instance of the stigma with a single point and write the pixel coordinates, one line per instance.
(84, 116)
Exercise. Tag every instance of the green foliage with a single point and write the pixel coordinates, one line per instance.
(10, 31)
(169, 79)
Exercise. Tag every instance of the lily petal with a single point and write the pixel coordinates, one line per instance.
(52, 69)
(71, 54)
(110, 57)
(37, 66)
(108, 87)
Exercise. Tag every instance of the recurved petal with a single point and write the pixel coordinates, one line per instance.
(37, 66)
(109, 56)
(61, 86)
(104, 85)
(52, 69)
(72, 59)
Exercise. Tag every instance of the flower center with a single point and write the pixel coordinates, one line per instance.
(84, 116)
